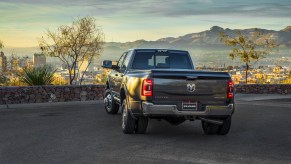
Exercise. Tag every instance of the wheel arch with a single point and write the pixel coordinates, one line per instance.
(124, 95)
(107, 84)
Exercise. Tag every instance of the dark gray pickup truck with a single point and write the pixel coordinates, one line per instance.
(163, 84)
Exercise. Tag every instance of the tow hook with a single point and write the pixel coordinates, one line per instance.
(214, 121)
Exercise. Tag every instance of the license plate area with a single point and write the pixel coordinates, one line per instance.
(189, 106)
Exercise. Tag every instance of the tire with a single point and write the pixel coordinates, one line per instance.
(225, 127)
(209, 128)
(128, 123)
(142, 124)
(110, 105)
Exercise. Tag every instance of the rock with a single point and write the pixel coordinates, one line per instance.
(67, 89)
(83, 96)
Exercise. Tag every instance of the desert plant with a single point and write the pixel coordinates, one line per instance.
(37, 76)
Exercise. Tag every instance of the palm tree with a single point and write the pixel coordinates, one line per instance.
(37, 76)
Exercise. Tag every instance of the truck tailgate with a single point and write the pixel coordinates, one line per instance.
(178, 86)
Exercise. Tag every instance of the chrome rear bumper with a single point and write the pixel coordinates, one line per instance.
(152, 109)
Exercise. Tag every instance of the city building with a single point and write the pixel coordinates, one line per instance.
(82, 66)
(23, 62)
(39, 60)
(3, 62)
(14, 63)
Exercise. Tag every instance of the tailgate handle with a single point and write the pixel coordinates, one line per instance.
(191, 77)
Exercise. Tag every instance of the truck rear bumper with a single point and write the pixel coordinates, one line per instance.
(152, 109)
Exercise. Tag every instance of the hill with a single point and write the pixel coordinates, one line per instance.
(205, 42)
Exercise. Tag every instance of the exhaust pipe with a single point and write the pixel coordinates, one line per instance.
(213, 121)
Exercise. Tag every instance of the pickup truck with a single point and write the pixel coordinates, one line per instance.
(163, 84)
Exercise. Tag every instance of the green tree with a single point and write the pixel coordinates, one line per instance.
(37, 75)
(75, 45)
(249, 47)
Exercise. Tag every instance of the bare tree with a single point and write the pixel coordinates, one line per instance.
(253, 47)
(73, 45)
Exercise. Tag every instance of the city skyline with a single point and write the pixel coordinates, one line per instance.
(22, 23)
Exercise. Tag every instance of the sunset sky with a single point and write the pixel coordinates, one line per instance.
(23, 21)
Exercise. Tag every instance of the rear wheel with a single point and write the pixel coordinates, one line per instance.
(225, 127)
(128, 122)
(142, 124)
(210, 128)
(110, 106)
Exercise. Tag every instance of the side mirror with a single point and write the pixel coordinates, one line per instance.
(107, 64)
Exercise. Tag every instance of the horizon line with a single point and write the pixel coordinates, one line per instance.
(11, 47)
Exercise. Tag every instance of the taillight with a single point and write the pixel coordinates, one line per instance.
(230, 89)
(147, 87)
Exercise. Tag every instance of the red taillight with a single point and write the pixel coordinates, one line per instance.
(230, 89)
(147, 87)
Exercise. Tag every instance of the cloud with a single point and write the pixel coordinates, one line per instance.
(170, 8)
(142, 18)
(178, 9)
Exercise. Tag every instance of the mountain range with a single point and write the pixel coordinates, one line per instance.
(202, 41)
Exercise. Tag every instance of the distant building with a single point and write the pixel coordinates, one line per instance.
(3, 62)
(23, 62)
(29, 63)
(39, 60)
(82, 66)
(64, 66)
(14, 63)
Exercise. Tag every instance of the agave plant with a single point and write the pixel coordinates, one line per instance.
(37, 76)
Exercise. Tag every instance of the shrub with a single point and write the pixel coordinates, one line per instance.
(37, 76)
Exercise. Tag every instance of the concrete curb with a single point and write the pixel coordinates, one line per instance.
(238, 97)
(254, 97)
(52, 104)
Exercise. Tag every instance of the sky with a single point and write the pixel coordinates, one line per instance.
(23, 21)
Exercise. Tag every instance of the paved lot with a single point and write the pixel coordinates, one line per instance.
(84, 133)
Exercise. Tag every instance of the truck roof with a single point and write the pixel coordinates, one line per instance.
(158, 49)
